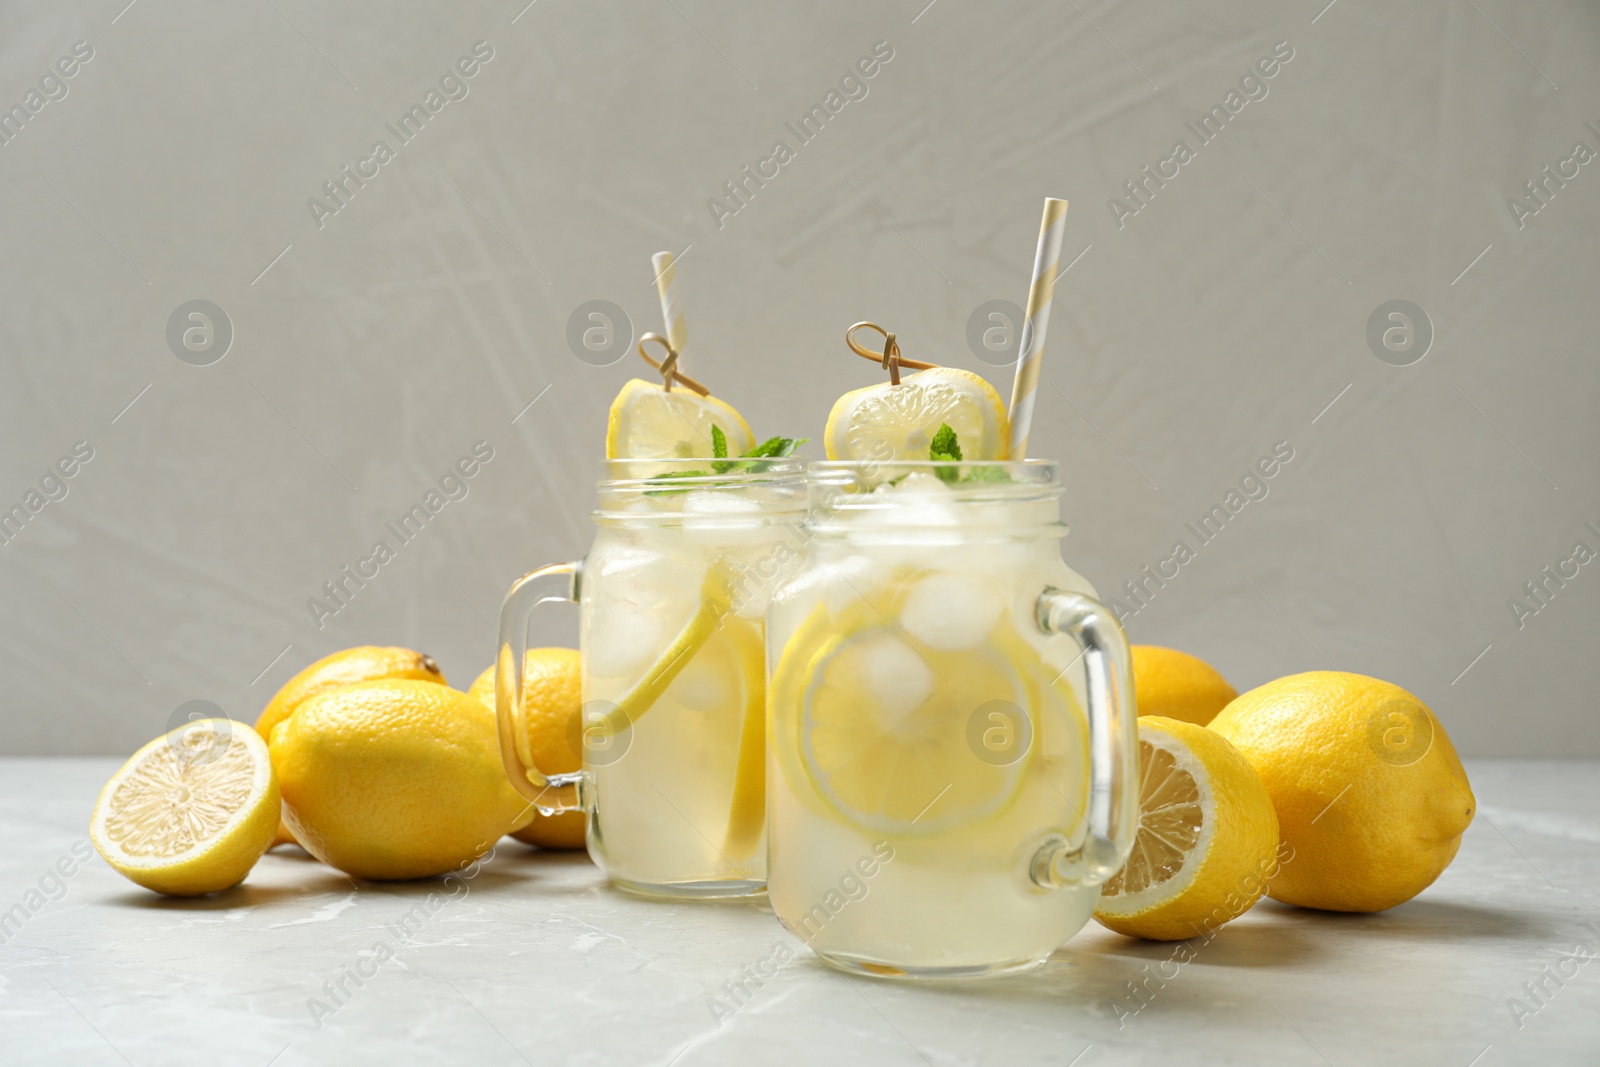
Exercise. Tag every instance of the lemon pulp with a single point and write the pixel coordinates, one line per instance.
(190, 812)
(1171, 822)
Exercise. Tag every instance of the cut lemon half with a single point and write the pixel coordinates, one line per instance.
(1207, 838)
(192, 811)
(647, 422)
(879, 723)
(887, 422)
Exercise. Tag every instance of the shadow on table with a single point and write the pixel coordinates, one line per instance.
(1421, 920)
(514, 868)
(1255, 944)
(1098, 973)
(244, 895)
(1100, 969)
(548, 868)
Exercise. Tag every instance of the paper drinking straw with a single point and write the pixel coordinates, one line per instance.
(1045, 267)
(671, 307)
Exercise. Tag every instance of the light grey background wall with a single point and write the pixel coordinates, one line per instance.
(1196, 329)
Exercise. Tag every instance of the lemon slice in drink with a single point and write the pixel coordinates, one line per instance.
(747, 815)
(1207, 838)
(879, 723)
(192, 811)
(715, 604)
(647, 422)
(885, 422)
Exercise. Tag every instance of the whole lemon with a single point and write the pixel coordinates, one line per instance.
(552, 706)
(1177, 685)
(364, 663)
(1370, 794)
(394, 779)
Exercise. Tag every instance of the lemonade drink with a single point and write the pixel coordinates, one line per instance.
(672, 598)
(931, 782)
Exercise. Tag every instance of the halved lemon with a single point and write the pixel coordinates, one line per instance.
(887, 422)
(1207, 840)
(647, 422)
(879, 723)
(191, 812)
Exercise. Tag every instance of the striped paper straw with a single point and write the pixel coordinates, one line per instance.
(1046, 263)
(671, 306)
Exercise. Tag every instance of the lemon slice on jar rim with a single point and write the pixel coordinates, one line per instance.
(647, 422)
(888, 422)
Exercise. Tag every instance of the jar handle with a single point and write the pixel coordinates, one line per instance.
(550, 794)
(1113, 811)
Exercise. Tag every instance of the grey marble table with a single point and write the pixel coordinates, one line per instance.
(537, 961)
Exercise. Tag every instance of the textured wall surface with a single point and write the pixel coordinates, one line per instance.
(1217, 316)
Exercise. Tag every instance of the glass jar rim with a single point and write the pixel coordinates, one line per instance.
(969, 479)
(985, 492)
(693, 470)
(660, 490)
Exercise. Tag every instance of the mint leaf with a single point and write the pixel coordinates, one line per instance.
(719, 449)
(944, 444)
(986, 474)
(771, 448)
(945, 447)
(775, 447)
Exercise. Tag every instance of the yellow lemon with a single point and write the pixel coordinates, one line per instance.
(552, 710)
(394, 779)
(1207, 837)
(365, 663)
(888, 422)
(647, 422)
(876, 719)
(1177, 685)
(747, 814)
(191, 812)
(1371, 797)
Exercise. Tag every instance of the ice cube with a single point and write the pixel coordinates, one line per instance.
(706, 684)
(719, 518)
(951, 610)
(846, 581)
(621, 639)
(896, 678)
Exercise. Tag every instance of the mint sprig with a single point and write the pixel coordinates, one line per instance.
(744, 463)
(946, 447)
(775, 448)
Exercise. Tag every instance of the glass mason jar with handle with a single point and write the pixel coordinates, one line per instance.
(671, 596)
(953, 764)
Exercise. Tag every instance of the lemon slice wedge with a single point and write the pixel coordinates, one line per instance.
(192, 811)
(747, 814)
(715, 604)
(888, 422)
(647, 422)
(1206, 842)
(877, 722)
